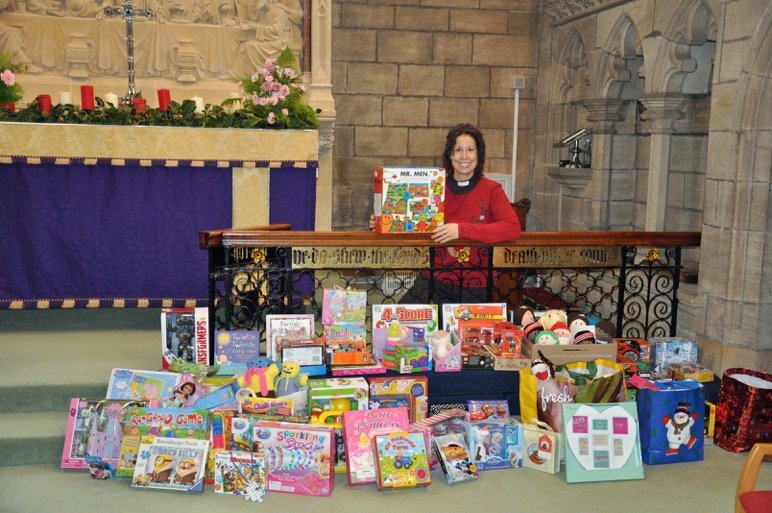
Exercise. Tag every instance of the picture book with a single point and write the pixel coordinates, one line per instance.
(495, 444)
(299, 457)
(408, 199)
(290, 326)
(421, 320)
(401, 460)
(141, 385)
(240, 473)
(94, 428)
(359, 428)
(456, 315)
(185, 335)
(171, 464)
(233, 349)
(145, 424)
(455, 460)
(344, 313)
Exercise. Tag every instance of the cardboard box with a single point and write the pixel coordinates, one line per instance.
(410, 391)
(325, 393)
(571, 353)
(409, 199)
(634, 354)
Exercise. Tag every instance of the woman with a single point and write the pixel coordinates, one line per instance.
(476, 208)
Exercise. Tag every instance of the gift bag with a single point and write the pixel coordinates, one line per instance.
(541, 447)
(672, 422)
(543, 393)
(743, 410)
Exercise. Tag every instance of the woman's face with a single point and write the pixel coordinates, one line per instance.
(464, 157)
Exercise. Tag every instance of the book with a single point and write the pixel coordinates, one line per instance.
(359, 428)
(455, 460)
(141, 385)
(401, 460)
(240, 473)
(185, 335)
(94, 428)
(171, 464)
(233, 349)
(290, 326)
(143, 424)
(299, 457)
(408, 199)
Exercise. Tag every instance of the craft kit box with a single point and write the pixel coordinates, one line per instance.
(409, 199)
(412, 392)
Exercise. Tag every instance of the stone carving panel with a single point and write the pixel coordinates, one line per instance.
(186, 40)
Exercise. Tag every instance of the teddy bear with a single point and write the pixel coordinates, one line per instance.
(290, 380)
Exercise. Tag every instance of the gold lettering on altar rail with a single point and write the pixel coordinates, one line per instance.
(550, 256)
(364, 257)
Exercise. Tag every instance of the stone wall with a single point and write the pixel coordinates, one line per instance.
(405, 71)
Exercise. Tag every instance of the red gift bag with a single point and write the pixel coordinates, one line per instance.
(744, 410)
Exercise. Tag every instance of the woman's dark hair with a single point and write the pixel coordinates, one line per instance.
(450, 143)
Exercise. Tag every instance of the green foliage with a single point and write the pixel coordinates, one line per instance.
(10, 90)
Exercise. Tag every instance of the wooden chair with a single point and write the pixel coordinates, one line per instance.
(748, 499)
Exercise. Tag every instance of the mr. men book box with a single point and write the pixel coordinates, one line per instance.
(409, 199)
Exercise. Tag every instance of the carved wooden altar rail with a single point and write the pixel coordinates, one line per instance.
(629, 278)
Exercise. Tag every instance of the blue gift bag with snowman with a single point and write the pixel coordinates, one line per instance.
(671, 421)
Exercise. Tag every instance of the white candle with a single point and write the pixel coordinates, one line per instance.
(199, 103)
(112, 98)
(237, 105)
(65, 98)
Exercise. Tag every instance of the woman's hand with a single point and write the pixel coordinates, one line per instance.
(445, 233)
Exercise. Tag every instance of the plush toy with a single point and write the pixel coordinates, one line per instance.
(584, 337)
(576, 321)
(550, 317)
(441, 343)
(290, 380)
(605, 332)
(563, 333)
(532, 331)
(261, 380)
(523, 316)
(547, 338)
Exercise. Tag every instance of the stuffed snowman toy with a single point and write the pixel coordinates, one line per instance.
(679, 428)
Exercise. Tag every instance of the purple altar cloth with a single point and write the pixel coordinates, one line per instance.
(103, 235)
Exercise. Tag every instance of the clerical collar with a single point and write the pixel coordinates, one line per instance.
(459, 188)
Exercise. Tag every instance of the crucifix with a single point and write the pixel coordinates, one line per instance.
(128, 12)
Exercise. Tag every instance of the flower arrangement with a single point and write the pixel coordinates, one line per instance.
(10, 90)
(273, 96)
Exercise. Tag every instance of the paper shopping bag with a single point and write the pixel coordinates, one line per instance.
(541, 447)
(672, 421)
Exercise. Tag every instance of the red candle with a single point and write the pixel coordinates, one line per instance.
(164, 97)
(87, 97)
(9, 106)
(140, 105)
(44, 103)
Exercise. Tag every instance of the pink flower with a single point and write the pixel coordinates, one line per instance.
(8, 78)
(271, 118)
(269, 65)
(285, 112)
(285, 90)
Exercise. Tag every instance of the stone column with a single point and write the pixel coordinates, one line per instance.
(661, 110)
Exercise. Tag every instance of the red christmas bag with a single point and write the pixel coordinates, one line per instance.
(744, 410)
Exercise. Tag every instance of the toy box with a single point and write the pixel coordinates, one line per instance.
(495, 444)
(402, 460)
(286, 327)
(446, 352)
(456, 462)
(690, 370)
(309, 353)
(336, 394)
(413, 392)
(299, 457)
(421, 319)
(448, 421)
(635, 355)
(456, 315)
(185, 335)
(506, 361)
(359, 428)
(667, 350)
(408, 199)
(413, 357)
(140, 385)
